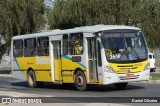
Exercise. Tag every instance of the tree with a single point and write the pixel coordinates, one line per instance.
(20, 17)
(142, 13)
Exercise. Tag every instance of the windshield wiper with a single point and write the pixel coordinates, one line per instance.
(132, 49)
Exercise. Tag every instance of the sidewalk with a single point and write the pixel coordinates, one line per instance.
(157, 69)
(5, 65)
(5, 69)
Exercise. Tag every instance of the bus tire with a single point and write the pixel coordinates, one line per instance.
(121, 85)
(31, 78)
(80, 81)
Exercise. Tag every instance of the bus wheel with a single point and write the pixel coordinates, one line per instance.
(80, 81)
(121, 85)
(31, 79)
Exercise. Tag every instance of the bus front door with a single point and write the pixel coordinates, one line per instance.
(57, 59)
(92, 59)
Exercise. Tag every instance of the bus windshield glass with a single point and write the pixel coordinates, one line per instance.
(124, 46)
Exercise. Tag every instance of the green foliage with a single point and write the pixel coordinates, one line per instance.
(141, 13)
(155, 77)
(20, 17)
(27, 16)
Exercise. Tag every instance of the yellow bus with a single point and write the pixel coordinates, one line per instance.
(99, 54)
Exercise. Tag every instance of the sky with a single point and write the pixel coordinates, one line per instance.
(49, 3)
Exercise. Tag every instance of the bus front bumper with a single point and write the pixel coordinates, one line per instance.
(110, 78)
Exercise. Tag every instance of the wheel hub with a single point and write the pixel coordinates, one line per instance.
(30, 80)
(80, 81)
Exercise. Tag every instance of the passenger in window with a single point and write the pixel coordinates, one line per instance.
(78, 47)
(15, 50)
(45, 48)
(40, 50)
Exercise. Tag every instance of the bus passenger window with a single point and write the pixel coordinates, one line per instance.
(65, 44)
(43, 46)
(30, 47)
(18, 48)
(76, 44)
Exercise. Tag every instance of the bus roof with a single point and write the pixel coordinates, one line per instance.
(85, 29)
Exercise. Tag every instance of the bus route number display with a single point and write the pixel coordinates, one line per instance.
(114, 56)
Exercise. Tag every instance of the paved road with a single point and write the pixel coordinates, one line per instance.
(10, 87)
(133, 89)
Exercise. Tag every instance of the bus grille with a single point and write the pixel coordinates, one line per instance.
(125, 78)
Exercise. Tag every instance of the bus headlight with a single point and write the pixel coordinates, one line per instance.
(109, 69)
(147, 67)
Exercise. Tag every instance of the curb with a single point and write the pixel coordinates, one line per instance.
(5, 65)
(5, 75)
(152, 81)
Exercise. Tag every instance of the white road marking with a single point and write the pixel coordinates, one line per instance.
(18, 94)
(5, 75)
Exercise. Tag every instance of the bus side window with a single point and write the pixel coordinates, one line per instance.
(76, 44)
(18, 48)
(65, 44)
(43, 46)
(30, 47)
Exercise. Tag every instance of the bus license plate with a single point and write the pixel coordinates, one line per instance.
(129, 75)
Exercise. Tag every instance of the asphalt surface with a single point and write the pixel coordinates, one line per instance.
(62, 93)
(51, 90)
(10, 87)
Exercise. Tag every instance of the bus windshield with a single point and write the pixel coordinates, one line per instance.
(124, 46)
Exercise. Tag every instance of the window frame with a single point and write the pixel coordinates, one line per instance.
(34, 48)
(37, 41)
(66, 43)
(16, 49)
(75, 34)
(150, 56)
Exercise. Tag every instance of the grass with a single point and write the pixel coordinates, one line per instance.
(155, 77)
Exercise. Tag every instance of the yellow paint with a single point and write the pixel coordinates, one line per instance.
(57, 67)
(40, 69)
(22, 63)
(100, 81)
(69, 65)
(133, 67)
(43, 76)
(68, 76)
(26, 62)
(43, 69)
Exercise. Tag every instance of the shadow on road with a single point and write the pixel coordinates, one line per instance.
(111, 87)
(93, 88)
(20, 84)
